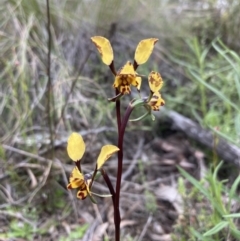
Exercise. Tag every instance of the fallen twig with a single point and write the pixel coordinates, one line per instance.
(226, 151)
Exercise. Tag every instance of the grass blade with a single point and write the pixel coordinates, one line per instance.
(216, 228)
(214, 90)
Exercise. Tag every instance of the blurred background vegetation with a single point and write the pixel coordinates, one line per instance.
(198, 56)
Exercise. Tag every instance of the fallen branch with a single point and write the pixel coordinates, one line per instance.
(226, 151)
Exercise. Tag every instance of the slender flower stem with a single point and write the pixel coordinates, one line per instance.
(116, 208)
(109, 184)
(117, 218)
(118, 113)
(93, 176)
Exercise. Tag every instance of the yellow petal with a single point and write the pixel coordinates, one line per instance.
(124, 89)
(76, 183)
(122, 83)
(156, 101)
(76, 146)
(117, 81)
(87, 183)
(106, 152)
(155, 81)
(105, 49)
(76, 179)
(127, 69)
(137, 82)
(144, 50)
(124, 78)
(85, 190)
(76, 174)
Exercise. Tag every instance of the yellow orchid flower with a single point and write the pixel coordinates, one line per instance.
(76, 149)
(155, 84)
(126, 76)
(156, 101)
(78, 180)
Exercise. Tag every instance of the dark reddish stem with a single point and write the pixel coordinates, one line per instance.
(78, 165)
(112, 68)
(109, 184)
(121, 130)
(135, 65)
(117, 218)
(118, 112)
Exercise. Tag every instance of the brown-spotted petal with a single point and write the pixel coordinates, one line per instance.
(104, 48)
(82, 194)
(76, 179)
(156, 101)
(155, 81)
(144, 50)
(125, 77)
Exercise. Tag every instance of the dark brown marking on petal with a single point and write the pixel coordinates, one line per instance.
(81, 195)
(154, 81)
(153, 103)
(99, 48)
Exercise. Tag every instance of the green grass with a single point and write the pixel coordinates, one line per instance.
(209, 213)
(214, 88)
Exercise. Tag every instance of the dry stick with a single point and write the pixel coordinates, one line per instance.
(72, 88)
(145, 228)
(226, 151)
(16, 215)
(57, 164)
(34, 156)
(50, 95)
(117, 218)
(136, 156)
(89, 233)
(44, 179)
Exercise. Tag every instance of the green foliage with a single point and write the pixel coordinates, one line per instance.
(22, 224)
(217, 221)
(151, 203)
(215, 74)
(150, 199)
(20, 230)
(76, 233)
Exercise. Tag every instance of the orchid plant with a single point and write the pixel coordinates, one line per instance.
(123, 80)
